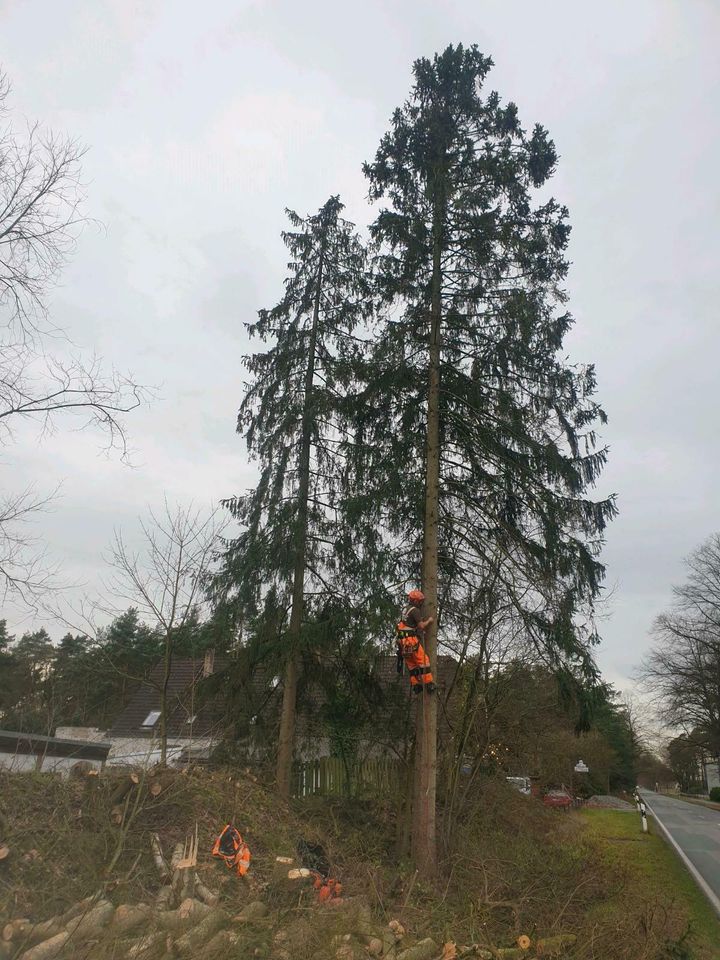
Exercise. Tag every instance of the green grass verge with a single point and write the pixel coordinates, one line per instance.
(660, 871)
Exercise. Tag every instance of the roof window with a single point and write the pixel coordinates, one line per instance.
(151, 719)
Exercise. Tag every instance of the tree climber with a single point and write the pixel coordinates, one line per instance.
(410, 634)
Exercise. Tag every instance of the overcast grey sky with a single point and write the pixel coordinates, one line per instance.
(205, 121)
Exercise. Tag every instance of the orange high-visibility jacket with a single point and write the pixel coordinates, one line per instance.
(412, 651)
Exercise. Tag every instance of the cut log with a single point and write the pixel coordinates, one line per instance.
(177, 877)
(426, 949)
(368, 934)
(555, 946)
(124, 787)
(144, 945)
(16, 929)
(187, 884)
(43, 931)
(91, 923)
(155, 788)
(192, 908)
(188, 913)
(164, 897)
(129, 917)
(203, 893)
(158, 856)
(191, 942)
(117, 815)
(82, 906)
(255, 910)
(4, 851)
(219, 945)
(48, 949)
(177, 855)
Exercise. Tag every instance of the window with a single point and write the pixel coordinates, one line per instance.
(151, 719)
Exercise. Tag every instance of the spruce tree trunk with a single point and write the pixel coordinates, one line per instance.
(287, 718)
(424, 842)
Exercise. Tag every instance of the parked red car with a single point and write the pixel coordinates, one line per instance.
(557, 798)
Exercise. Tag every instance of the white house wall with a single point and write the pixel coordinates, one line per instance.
(27, 762)
(142, 752)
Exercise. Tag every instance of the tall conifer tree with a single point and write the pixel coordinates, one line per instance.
(292, 417)
(482, 434)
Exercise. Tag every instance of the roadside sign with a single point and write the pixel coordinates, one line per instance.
(581, 767)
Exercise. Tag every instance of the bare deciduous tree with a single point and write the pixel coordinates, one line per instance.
(683, 669)
(40, 219)
(164, 579)
(40, 197)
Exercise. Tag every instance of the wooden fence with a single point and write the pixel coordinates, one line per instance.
(330, 777)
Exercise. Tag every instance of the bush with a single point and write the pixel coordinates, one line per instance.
(715, 794)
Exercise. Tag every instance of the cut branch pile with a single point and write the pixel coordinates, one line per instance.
(185, 920)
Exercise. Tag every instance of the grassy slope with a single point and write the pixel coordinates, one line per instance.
(660, 873)
(515, 867)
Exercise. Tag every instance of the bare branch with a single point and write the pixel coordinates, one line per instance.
(40, 219)
(41, 388)
(24, 571)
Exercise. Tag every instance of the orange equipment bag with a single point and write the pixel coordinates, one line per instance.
(328, 889)
(231, 848)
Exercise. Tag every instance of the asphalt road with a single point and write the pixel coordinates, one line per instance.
(696, 831)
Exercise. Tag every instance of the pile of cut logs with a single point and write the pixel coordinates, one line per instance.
(185, 919)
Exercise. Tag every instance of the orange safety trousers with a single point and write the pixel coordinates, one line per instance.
(416, 660)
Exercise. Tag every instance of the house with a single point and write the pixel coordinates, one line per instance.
(196, 724)
(193, 727)
(20, 752)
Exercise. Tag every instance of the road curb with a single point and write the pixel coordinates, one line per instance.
(693, 870)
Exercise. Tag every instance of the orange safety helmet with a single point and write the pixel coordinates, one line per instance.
(416, 596)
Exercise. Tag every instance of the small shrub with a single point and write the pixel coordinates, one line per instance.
(715, 794)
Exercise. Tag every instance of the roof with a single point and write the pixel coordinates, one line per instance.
(185, 675)
(32, 743)
(260, 689)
